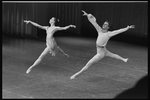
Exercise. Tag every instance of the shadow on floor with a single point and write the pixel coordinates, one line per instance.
(139, 91)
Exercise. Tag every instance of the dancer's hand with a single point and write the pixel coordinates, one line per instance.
(88, 15)
(85, 14)
(27, 21)
(131, 26)
(73, 26)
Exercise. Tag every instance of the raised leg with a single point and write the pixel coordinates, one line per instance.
(38, 60)
(95, 59)
(116, 56)
(63, 51)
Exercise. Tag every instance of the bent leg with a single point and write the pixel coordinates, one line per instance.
(116, 56)
(38, 60)
(95, 59)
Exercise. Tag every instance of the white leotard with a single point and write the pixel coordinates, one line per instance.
(50, 41)
(102, 39)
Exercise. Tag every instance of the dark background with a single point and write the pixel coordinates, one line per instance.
(119, 14)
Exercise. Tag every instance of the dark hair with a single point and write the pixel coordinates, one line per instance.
(108, 23)
(56, 19)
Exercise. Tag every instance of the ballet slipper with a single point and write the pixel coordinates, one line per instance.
(28, 70)
(73, 76)
(126, 60)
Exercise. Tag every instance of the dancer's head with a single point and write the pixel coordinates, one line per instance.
(52, 20)
(105, 25)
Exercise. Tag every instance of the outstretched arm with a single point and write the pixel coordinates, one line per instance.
(92, 19)
(121, 30)
(66, 27)
(35, 24)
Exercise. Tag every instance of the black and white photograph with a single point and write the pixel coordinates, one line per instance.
(74, 49)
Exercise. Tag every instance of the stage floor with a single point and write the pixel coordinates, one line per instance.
(51, 78)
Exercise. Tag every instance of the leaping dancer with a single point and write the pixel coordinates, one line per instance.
(103, 36)
(51, 45)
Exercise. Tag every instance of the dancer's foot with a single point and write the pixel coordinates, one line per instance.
(73, 76)
(66, 55)
(125, 60)
(29, 69)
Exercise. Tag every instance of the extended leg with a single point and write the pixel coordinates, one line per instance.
(95, 59)
(38, 60)
(63, 51)
(116, 56)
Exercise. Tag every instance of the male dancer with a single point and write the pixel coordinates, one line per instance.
(103, 36)
(50, 41)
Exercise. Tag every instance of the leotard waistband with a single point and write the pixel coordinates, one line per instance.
(100, 46)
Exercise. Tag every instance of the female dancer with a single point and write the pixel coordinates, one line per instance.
(51, 45)
(103, 36)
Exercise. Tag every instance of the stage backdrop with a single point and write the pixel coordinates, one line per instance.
(13, 15)
(119, 14)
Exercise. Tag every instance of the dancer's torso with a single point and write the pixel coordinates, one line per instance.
(102, 39)
(49, 38)
(101, 42)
